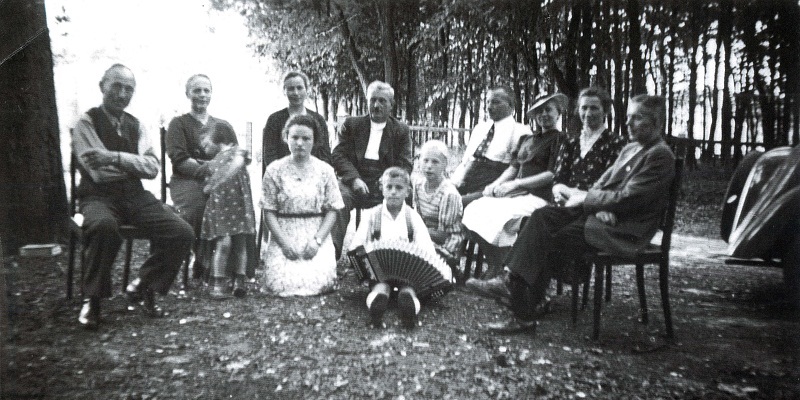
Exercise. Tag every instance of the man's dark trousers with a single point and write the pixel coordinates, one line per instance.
(550, 239)
(170, 240)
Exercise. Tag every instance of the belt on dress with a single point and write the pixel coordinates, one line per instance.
(300, 215)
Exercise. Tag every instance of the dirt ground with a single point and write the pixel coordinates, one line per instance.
(735, 338)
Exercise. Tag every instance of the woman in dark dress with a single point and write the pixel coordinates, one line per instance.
(184, 137)
(295, 87)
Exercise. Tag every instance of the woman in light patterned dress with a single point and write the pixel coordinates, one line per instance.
(229, 217)
(300, 200)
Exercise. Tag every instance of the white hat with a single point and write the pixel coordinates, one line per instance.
(560, 98)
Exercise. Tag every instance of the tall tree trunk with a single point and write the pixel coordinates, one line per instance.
(638, 80)
(619, 77)
(445, 69)
(726, 118)
(412, 106)
(352, 50)
(33, 201)
(516, 87)
(670, 82)
(693, 65)
(324, 93)
(709, 151)
(585, 45)
(789, 53)
(387, 16)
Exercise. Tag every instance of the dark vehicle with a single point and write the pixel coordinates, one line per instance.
(761, 213)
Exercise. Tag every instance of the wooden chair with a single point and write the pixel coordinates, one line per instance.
(652, 254)
(128, 232)
(472, 255)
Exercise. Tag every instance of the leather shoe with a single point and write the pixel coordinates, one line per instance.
(89, 317)
(377, 308)
(495, 288)
(542, 308)
(149, 306)
(217, 292)
(513, 326)
(132, 291)
(407, 307)
(239, 288)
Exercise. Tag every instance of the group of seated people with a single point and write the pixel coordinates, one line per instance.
(580, 192)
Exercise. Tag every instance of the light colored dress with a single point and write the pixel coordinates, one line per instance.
(229, 209)
(497, 219)
(300, 197)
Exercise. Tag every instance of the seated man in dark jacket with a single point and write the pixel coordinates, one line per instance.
(368, 145)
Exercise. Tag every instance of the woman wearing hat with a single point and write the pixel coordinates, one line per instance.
(526, 184)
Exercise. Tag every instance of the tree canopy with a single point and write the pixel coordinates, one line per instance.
(724, 65)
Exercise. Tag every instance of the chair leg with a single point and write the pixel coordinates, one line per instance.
(663, 281)
(479, 263)
(83, 267)
(608, 283)
(468, 262)
(642, 296)
(71, 264)
(587, 278)
(186, 263)
(598, 299)
(575, 301)
(126, 272)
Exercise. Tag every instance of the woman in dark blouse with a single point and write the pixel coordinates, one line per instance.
(295, 87)
(583, 158)
(189, 168)
(524, 187)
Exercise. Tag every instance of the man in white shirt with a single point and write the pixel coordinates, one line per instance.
(367, 146)
(490, 146)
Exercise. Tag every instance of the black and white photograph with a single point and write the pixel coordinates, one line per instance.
(399, 199)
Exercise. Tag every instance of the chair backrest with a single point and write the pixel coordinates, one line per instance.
(163, 136)
(668, 219)
(73, 204)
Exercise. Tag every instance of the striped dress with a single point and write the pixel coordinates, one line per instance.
(441, 210)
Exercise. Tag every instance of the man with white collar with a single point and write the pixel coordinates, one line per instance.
(490, 146)
(368, 145)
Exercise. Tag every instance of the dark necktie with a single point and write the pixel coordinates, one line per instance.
(481, 150)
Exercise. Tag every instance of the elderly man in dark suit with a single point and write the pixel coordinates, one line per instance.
(368, 145)
(618, 214)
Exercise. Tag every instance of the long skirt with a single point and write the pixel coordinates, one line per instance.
(497, 219)
(284, 277)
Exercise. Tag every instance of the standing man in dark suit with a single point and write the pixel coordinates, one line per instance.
(114, 156)
(619, 214)
(367, 146)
